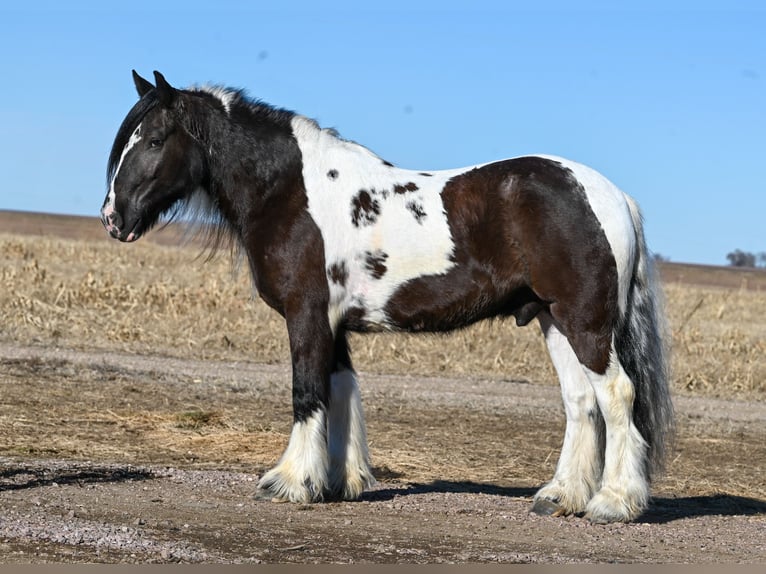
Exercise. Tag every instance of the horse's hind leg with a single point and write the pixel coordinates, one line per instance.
(579, 467)
(624, 491)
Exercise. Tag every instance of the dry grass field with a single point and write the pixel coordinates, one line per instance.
(154, 297)
(148, 354)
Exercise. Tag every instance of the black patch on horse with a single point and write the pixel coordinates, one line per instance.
(364, 209)
(375, 263)
(332, 174)
(338, 273)
(416, 208)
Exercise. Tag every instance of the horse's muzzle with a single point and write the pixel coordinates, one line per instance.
(114, 224)
(112, 221)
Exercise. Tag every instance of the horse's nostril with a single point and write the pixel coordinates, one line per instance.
(115, 219)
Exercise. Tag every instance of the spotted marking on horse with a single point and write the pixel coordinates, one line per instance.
(375, 263)
(417, 211)
(338, 273)
(402, 189)
(364, 208)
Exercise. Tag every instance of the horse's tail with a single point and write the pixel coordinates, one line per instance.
(642, 345)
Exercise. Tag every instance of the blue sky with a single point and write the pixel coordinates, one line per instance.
(667, 99)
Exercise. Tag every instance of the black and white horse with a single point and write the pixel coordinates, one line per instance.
(339, 240)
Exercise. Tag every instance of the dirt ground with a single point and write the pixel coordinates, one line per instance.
(109, 456)
(152, 501)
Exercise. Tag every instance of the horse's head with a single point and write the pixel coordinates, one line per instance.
(155, 162)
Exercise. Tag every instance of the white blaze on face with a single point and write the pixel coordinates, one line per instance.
(134, 139)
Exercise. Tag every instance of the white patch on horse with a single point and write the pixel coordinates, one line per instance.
(612, 209)
(135, 137)
(301, 474)
(415, 245)
(225, 96)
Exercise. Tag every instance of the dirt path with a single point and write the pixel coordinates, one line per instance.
(87, 475)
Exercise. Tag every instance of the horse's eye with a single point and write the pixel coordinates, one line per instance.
(155, 142)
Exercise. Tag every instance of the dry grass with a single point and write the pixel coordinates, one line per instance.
(719, 340)
(148, 298)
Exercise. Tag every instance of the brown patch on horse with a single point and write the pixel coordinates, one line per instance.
(281, 275)
(526, 239)
(407, 187)
(577, 276)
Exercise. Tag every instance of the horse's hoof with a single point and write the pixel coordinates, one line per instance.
(545, 507)
(262, 494)
(265, 494)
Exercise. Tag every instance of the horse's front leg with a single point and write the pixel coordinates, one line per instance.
(349, 457)
(301, 475)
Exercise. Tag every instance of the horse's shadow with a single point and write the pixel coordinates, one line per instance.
(661, 510)
(444, 486)
(29, 478)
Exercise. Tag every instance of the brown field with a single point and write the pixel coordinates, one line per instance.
(147, 354)
(65, 283)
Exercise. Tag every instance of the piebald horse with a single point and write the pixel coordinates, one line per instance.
(339, 240)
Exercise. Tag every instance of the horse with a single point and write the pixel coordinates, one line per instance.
(339, 240)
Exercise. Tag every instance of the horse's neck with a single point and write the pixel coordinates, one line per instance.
(249, 164)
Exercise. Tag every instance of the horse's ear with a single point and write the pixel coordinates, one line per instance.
(142, 85)
(165, 91)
